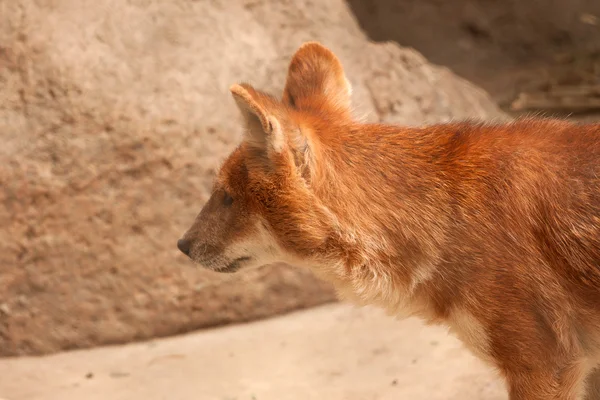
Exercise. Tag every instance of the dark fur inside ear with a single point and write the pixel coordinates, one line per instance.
(263, 128)
(246, 99)
(303, 158)
(265, 136)
(316, 79)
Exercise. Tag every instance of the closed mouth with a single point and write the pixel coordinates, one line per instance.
(234, 265)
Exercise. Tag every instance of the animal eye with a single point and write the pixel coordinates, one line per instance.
(227, 199)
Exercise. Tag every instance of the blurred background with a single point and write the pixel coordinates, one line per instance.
(115, 115)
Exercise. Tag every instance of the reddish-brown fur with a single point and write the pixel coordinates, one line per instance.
(493, 230)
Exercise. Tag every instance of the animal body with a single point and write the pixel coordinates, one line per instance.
(490, 229)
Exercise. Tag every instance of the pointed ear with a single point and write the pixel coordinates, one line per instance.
(316, 79)
(263, 130)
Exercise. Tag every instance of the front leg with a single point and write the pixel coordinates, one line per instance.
(593, 385)
(562, 381)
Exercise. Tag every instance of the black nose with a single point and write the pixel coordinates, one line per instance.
(184, 246)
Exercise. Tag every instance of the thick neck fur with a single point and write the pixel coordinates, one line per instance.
(386, 190)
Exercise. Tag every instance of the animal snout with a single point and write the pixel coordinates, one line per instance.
(184, 246)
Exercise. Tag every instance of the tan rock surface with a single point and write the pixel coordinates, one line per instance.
(114, 115)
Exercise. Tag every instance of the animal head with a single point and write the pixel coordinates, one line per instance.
(262, 208)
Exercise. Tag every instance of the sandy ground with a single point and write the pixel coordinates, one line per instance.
(330, 352)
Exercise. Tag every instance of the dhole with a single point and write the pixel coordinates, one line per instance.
(493, 230)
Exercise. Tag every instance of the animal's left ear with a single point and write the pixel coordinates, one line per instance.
(263, 128)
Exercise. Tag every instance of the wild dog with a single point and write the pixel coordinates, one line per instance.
(490, 229)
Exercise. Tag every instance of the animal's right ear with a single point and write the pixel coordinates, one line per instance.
(316, 80)
(263, 130)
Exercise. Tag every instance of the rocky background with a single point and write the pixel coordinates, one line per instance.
(504, 46)
(115, 114)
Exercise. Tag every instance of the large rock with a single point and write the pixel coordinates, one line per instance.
(114, 115)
